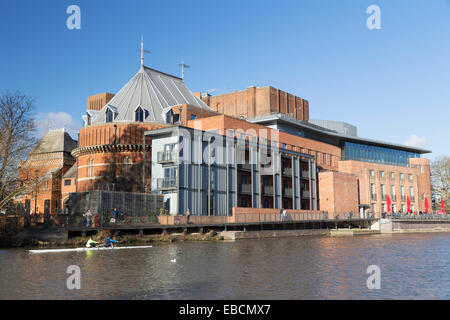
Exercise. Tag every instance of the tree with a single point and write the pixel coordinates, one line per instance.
(440, 182)
(17, 138)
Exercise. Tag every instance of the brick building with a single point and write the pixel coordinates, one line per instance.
(321, 165)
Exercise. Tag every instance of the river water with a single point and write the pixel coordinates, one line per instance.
(412, 267)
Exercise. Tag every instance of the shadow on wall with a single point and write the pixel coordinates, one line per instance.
(123, 169)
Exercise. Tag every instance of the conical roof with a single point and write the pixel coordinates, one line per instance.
(153, 91)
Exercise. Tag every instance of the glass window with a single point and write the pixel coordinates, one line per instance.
(381, 174)
(109, 115)
(402, 176)
(410, 177)
(67, 182)
(371, 173)
(139, 115)
(193, 117)
(392, 175)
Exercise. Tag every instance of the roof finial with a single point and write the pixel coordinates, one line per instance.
(143, 51)
(183, 66)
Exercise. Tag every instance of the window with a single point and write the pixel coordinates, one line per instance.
(266, 203)
(402, 176)
(383, 192)
(384, 208)
(374, 207)
(411, 193)
(403, 208)
(46, 185)
(410, 177)
(423, 196)
(89, 119)
(127, 163)
(402, 193)
(243, 179)
(90, 168)
(373, 191)
(244, 202)
(392, 176)
(139, 115)
(109, 115)
(284, 146)
(422, 169)
(193, 117)
(393, 195)
(371, 173)
(382, 174)
(67, 182)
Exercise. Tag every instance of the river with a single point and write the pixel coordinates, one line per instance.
(412, 267)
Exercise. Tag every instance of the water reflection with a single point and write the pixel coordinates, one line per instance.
(412, 267)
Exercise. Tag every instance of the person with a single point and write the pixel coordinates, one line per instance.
(188, 214)
(88, 218)
(96, 220)
(91, 243)
(115, 215)
(284, 215)
(110, 242)
(31, 212)
(83, 218)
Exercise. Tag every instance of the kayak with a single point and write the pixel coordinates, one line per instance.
(86, 249)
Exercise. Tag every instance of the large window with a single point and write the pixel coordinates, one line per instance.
(360, 152)
(90, 168)
(109, 115)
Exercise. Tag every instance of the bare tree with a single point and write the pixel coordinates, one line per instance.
(17, 138)
(440, 181)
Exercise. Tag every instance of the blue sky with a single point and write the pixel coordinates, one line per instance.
(392, 83)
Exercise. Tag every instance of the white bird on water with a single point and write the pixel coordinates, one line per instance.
(173, 260)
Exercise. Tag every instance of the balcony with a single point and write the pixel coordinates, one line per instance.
(166, 157)
(267, 190)
(287, 172)
(305, 175)
(245, 188)
(166, 183)
(287, 193)
(245, 167)
(306, 194)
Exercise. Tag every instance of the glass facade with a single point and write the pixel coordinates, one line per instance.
(361, 152)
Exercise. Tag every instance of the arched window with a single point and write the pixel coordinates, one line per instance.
(90, 168)
(127, 163)
(109, 115)
(139, 115)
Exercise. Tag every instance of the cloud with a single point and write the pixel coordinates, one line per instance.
(212, 90)
(415, 141)
(58, 120)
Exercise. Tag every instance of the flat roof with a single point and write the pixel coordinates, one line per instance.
(305, 125)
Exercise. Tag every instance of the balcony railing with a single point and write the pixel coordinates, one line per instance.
(245, 167)
(305, 175)
(287, 172)
(267, 190)
(245, 188)
(166, 183)
(287, 193)
(166, 156)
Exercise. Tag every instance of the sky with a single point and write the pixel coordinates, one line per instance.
(393, 83)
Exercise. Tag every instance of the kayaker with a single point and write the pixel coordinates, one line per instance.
(110, 242)
(91, 243)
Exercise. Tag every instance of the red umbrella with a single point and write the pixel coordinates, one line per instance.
(426, 205)
(388, 204)
(442, 206)
(408, 204)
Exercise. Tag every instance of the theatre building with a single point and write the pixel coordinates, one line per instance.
(253, 149)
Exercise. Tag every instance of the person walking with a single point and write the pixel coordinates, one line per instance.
(88, 218)
(188, 214)
(115, 215)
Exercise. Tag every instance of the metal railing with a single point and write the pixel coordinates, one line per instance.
(166, 156)
(166, 183)
(287, 193)
(267, 190)
(287, 172)
(245, 188)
